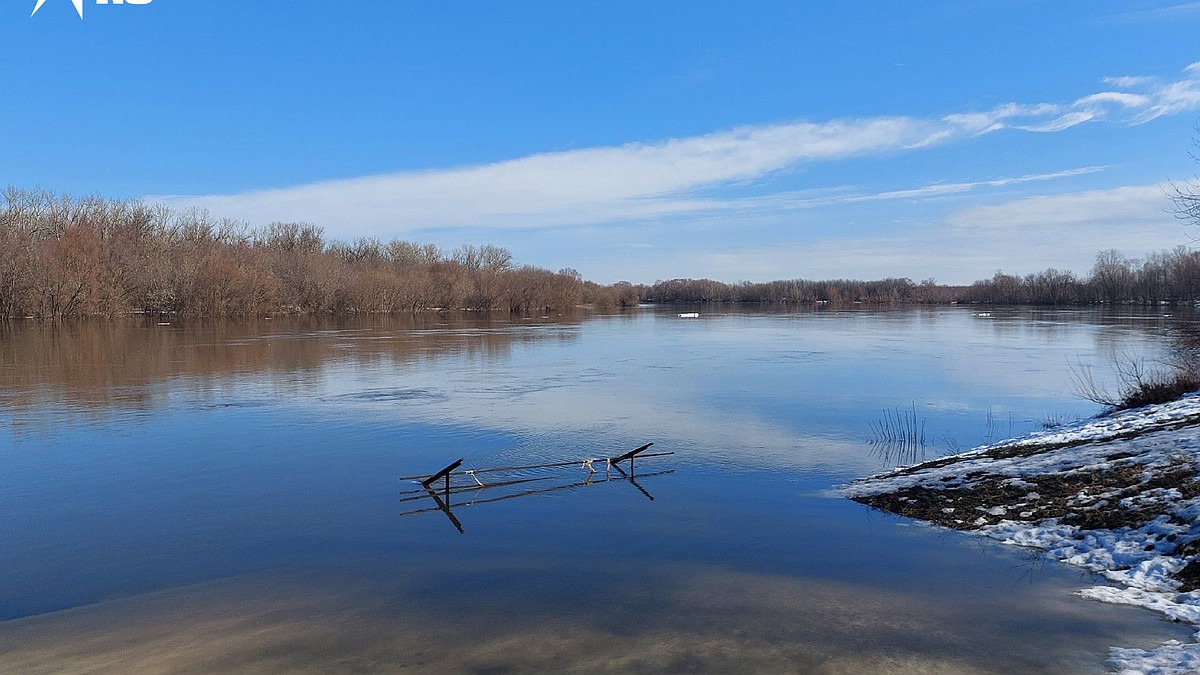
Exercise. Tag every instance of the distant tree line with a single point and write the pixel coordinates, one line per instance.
(838, 291)
(63, 257)
(1169, 277)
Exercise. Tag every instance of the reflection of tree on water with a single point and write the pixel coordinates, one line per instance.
(114, 365)
(442, 490)
(1185, 345)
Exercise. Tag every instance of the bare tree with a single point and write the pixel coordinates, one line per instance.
(1112, 276)
(1187, 195)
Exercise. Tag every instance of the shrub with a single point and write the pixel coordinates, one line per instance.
(1139, 386)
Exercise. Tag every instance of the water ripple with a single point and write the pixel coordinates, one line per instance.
(388, 395)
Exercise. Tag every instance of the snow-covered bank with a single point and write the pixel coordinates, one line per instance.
(1118, 495)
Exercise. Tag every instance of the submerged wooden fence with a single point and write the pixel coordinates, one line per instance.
(441, 495)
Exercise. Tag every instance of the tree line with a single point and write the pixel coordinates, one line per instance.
(64, 257)
(1167, 277)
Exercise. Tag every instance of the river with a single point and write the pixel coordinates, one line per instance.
(178, 495)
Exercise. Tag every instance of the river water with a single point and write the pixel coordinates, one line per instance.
(186, 495)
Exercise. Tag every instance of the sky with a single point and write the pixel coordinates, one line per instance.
(631, 141)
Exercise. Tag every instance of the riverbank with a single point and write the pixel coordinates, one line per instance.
(1117, 495)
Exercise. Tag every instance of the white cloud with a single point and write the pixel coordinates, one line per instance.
(1019, 236)
(1121, 98)
(1177, 12)
(1005, 116)
(650, 180)
(578, 186)
(1172, 98)
(1093, 209)
(1128, 81)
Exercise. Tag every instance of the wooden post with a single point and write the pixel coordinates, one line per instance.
(629, 455)
(443, 473)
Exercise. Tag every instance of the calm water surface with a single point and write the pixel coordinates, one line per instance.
(226, 496)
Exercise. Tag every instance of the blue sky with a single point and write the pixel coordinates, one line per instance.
(631, 140)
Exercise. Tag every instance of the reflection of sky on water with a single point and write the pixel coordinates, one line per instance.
(773, 389)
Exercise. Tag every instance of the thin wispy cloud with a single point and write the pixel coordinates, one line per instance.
(1129, 81)
(1174, 97)
(644, 180)
(1174, 12)
(939, 189)
(812, 199)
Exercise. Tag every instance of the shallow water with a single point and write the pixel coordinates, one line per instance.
(225, 495)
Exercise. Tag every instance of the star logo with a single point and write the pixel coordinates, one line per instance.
(78, 6)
